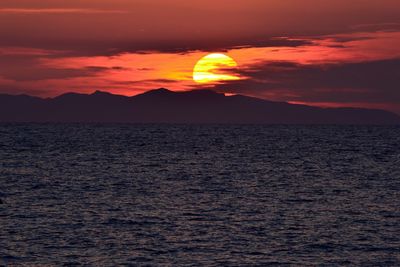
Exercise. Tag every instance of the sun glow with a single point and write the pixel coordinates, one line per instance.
(213, 68)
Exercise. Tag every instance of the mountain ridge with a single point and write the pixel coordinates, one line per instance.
(166, 106)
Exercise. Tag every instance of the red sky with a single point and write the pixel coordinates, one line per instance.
(329, 53)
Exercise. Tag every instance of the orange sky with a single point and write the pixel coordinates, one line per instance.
(336, 53)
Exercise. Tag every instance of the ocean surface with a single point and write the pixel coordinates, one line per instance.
(199, 195)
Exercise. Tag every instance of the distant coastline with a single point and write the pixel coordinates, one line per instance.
(165, 106)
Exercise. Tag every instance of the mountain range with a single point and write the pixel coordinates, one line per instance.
(165, 106)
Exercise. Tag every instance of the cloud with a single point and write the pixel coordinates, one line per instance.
(147, 82)
(177, 26)
(361, 82)
(388, 26)
(38, 74)
(101, 68)
(85, 47)
(16, 90)
(23, 69)
(26, 51)
(38, 11)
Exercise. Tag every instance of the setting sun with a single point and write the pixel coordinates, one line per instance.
(213, 68)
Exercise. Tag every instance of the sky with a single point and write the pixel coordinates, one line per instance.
(315, 52)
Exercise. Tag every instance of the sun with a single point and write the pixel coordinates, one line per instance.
(214, 68)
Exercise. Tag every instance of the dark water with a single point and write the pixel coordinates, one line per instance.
(199, 195)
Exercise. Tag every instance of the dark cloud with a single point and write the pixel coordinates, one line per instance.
(37, 74)
(22, 68)
(363, 82)
(147, 81)
(145, 69)
(18, 90)
(86, 47)
(101, 68)
(349, 38)
(378, 27)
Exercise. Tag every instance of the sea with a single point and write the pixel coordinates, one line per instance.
(199, 195)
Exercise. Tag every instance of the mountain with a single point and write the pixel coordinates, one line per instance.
(165, 106)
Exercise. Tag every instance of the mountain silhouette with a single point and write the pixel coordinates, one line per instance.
(165, 106)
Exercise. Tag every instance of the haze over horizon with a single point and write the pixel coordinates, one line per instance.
(329, 54)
